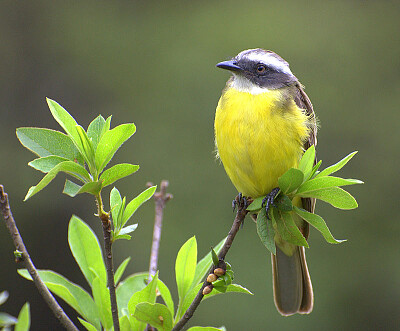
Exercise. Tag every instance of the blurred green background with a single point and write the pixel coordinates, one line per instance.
(153, 63)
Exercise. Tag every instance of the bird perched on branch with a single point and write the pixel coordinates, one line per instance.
(263, 124)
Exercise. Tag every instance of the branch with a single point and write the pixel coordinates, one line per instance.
(106, 222)
(161, 198)
(28, 264)
(240, 215)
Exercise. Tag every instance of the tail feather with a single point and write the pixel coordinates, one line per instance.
(292, 284)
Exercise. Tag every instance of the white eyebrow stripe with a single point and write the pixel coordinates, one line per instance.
(269, 60)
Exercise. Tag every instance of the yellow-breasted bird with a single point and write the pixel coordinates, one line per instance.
(263, 123)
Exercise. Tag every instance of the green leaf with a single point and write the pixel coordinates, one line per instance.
(127, 229)
(166, 295)
(214, 257)
(46, 142)
(110, 142)
(124, 323)
(86, 250)
(148, 294)
(3, 297)
(66, 121)
(115, 207)
(288, 229)
(266, 231)
(45, 164)
(337, 166)
(7, 320)
(185, 267)
(290, 180)
(136, 203)
(70, 188)
(118, 274)
(307, 162)
(122, 236)
(92, 188)
(95, 130)
(128, 287)
(101, 296)
(336, 196)
(24, 319)
(283, 202)
(315, 169)
(117, 172)
(87, 325)
(256, 204)
(157, 315)
(82, 302)
(87, 148)
(69, 167)
(205, 263)
(325, 182)
(317, 222)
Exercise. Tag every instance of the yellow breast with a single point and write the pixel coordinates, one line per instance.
(258, 138)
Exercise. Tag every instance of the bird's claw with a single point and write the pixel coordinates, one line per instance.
(240, 201)
(268, 201)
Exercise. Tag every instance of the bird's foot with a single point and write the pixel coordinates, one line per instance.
(241, 201)
(268, 201)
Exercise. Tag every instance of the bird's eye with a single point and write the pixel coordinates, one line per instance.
(261, 68)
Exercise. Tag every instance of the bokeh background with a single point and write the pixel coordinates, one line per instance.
(153, 63)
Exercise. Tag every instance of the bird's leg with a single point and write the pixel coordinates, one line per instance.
(241, 201)
(268, 201)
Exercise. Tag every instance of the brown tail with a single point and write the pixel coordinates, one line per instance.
(293, 291)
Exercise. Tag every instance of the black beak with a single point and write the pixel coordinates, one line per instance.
(229, 65)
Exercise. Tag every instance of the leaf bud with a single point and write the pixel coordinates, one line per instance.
(211, 278)
(219, 272)
(207, 289)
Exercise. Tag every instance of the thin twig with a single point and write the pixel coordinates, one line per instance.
(28, 264)
(161, 198)
(106, 222)
(240, 215)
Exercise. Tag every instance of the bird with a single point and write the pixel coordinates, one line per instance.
(264, 121)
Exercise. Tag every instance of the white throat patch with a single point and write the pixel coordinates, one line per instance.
(242, 84)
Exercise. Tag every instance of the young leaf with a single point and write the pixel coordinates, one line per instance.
(136, 203)
(214, 257)
(124, 323)
(266, 231)
(336, 196)
(290, 180)
(166, 295)
(86, 250)
(70, 188)
(148, 294)
(24, 319)
(82, 302)
(92, 188)
(288, 229)
(307, 161)
(87, 325)
(324, 182)
(127, 229)
(317, 222)
(66, 121)
(46, 142)
(95, 130)
(185, 267)
(110, 142)
(337, 166)
(45, 164)
(7, 320)
(128, 287)
(115, 207)
(120, 270)
(87, 147)
(157, 315)
(283, 203)
(205, 328)
(69, 167)
(117, 172)
(315, 169)
(101, 297)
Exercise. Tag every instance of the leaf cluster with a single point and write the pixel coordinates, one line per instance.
(81, 154)
(305, 181)
(136, 297)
